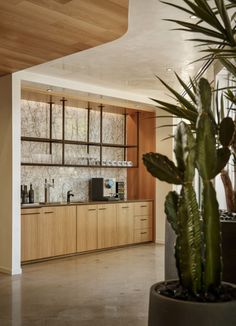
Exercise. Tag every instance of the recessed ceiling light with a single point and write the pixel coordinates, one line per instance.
(169, 69)
(49, 90)
(193, 17)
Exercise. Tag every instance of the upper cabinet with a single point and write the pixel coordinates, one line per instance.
(74, 133)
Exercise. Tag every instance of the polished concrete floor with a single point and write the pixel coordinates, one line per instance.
(108, 288)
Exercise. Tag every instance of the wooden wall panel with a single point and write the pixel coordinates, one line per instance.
(140, 183)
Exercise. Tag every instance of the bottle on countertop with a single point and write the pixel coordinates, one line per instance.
(25, 195)
(31, 194)
(22, 193)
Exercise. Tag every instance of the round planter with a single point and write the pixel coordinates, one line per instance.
(165, 311)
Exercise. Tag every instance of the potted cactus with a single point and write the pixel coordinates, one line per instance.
(199, 289)
(198, 296)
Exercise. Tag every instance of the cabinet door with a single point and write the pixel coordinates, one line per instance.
(125, 223)
(64, 236)
(30, 233)
(143, 208)
(86, 227)
(46, 232)
(107, 226)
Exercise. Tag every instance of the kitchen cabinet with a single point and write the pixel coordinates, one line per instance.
(30, 219)
(60, 230)
(143, 222)
(86, 227)
(64, 235)
(107, 226)
(48, 232)
(125, 223)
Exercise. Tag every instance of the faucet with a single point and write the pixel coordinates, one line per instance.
(69, 194)
(47, 187)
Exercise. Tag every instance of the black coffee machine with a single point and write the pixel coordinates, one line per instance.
(101, 189)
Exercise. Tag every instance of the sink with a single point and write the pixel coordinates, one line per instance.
(61, 203)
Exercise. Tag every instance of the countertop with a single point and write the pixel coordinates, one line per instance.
(39, 205)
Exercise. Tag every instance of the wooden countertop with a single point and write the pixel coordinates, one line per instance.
(39, 205)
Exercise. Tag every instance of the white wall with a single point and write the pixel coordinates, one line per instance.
(10, 174)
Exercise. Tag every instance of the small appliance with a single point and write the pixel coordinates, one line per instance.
(101, 189)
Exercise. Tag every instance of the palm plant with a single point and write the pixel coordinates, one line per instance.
(203, 144)
(217, 42)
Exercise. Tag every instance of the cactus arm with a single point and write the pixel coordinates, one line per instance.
(226, 131)
(212, 274)
(223, 155)
(207, 165)
(188, 244)
(171, 208)
(162, 168)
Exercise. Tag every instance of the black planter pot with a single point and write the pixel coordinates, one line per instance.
(165, 311)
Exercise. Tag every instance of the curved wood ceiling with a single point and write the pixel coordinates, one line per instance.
(34, 32)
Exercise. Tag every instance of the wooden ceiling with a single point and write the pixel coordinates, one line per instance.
(37, 31)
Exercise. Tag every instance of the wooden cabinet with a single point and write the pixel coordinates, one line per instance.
(86, 227)
(30, 233)
(64, 230)
(48, 232)
(60, 230)
(107, 226)
(125, 223)
(143, 222)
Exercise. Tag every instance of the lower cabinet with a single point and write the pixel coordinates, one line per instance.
(87, 228)
(107, 226)
(30, 219)
(143, 222)
(64, 227)
(60, 230)
(48, 232)
(125, 223)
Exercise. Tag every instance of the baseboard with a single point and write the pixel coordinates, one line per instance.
(9, 271)
(160, 241)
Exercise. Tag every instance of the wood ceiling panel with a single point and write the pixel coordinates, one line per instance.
(34, 32)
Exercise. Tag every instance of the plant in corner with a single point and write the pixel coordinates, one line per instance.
(199, 297)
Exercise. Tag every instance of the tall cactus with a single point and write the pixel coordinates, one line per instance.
(199, 270)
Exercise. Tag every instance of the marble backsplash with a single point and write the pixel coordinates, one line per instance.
(66, 178)
(35, 123)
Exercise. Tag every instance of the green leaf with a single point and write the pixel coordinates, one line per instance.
(196, 29)
(225, 18)
(226, 132)
(171, 208)
(223, 155)
(179, 97)
(187, 89)
(177, 111)
(162, 168)
(229, 66)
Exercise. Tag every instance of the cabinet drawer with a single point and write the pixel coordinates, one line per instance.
(143, 208)
(143, 235)
(31, 211)
(142, 222)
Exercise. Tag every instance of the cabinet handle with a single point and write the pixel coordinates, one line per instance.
(143, 206)
(31, 213)
(143, 232)
(125, 206)
(143, 219)
(48, 212)
(102, 209)
(92, 209)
